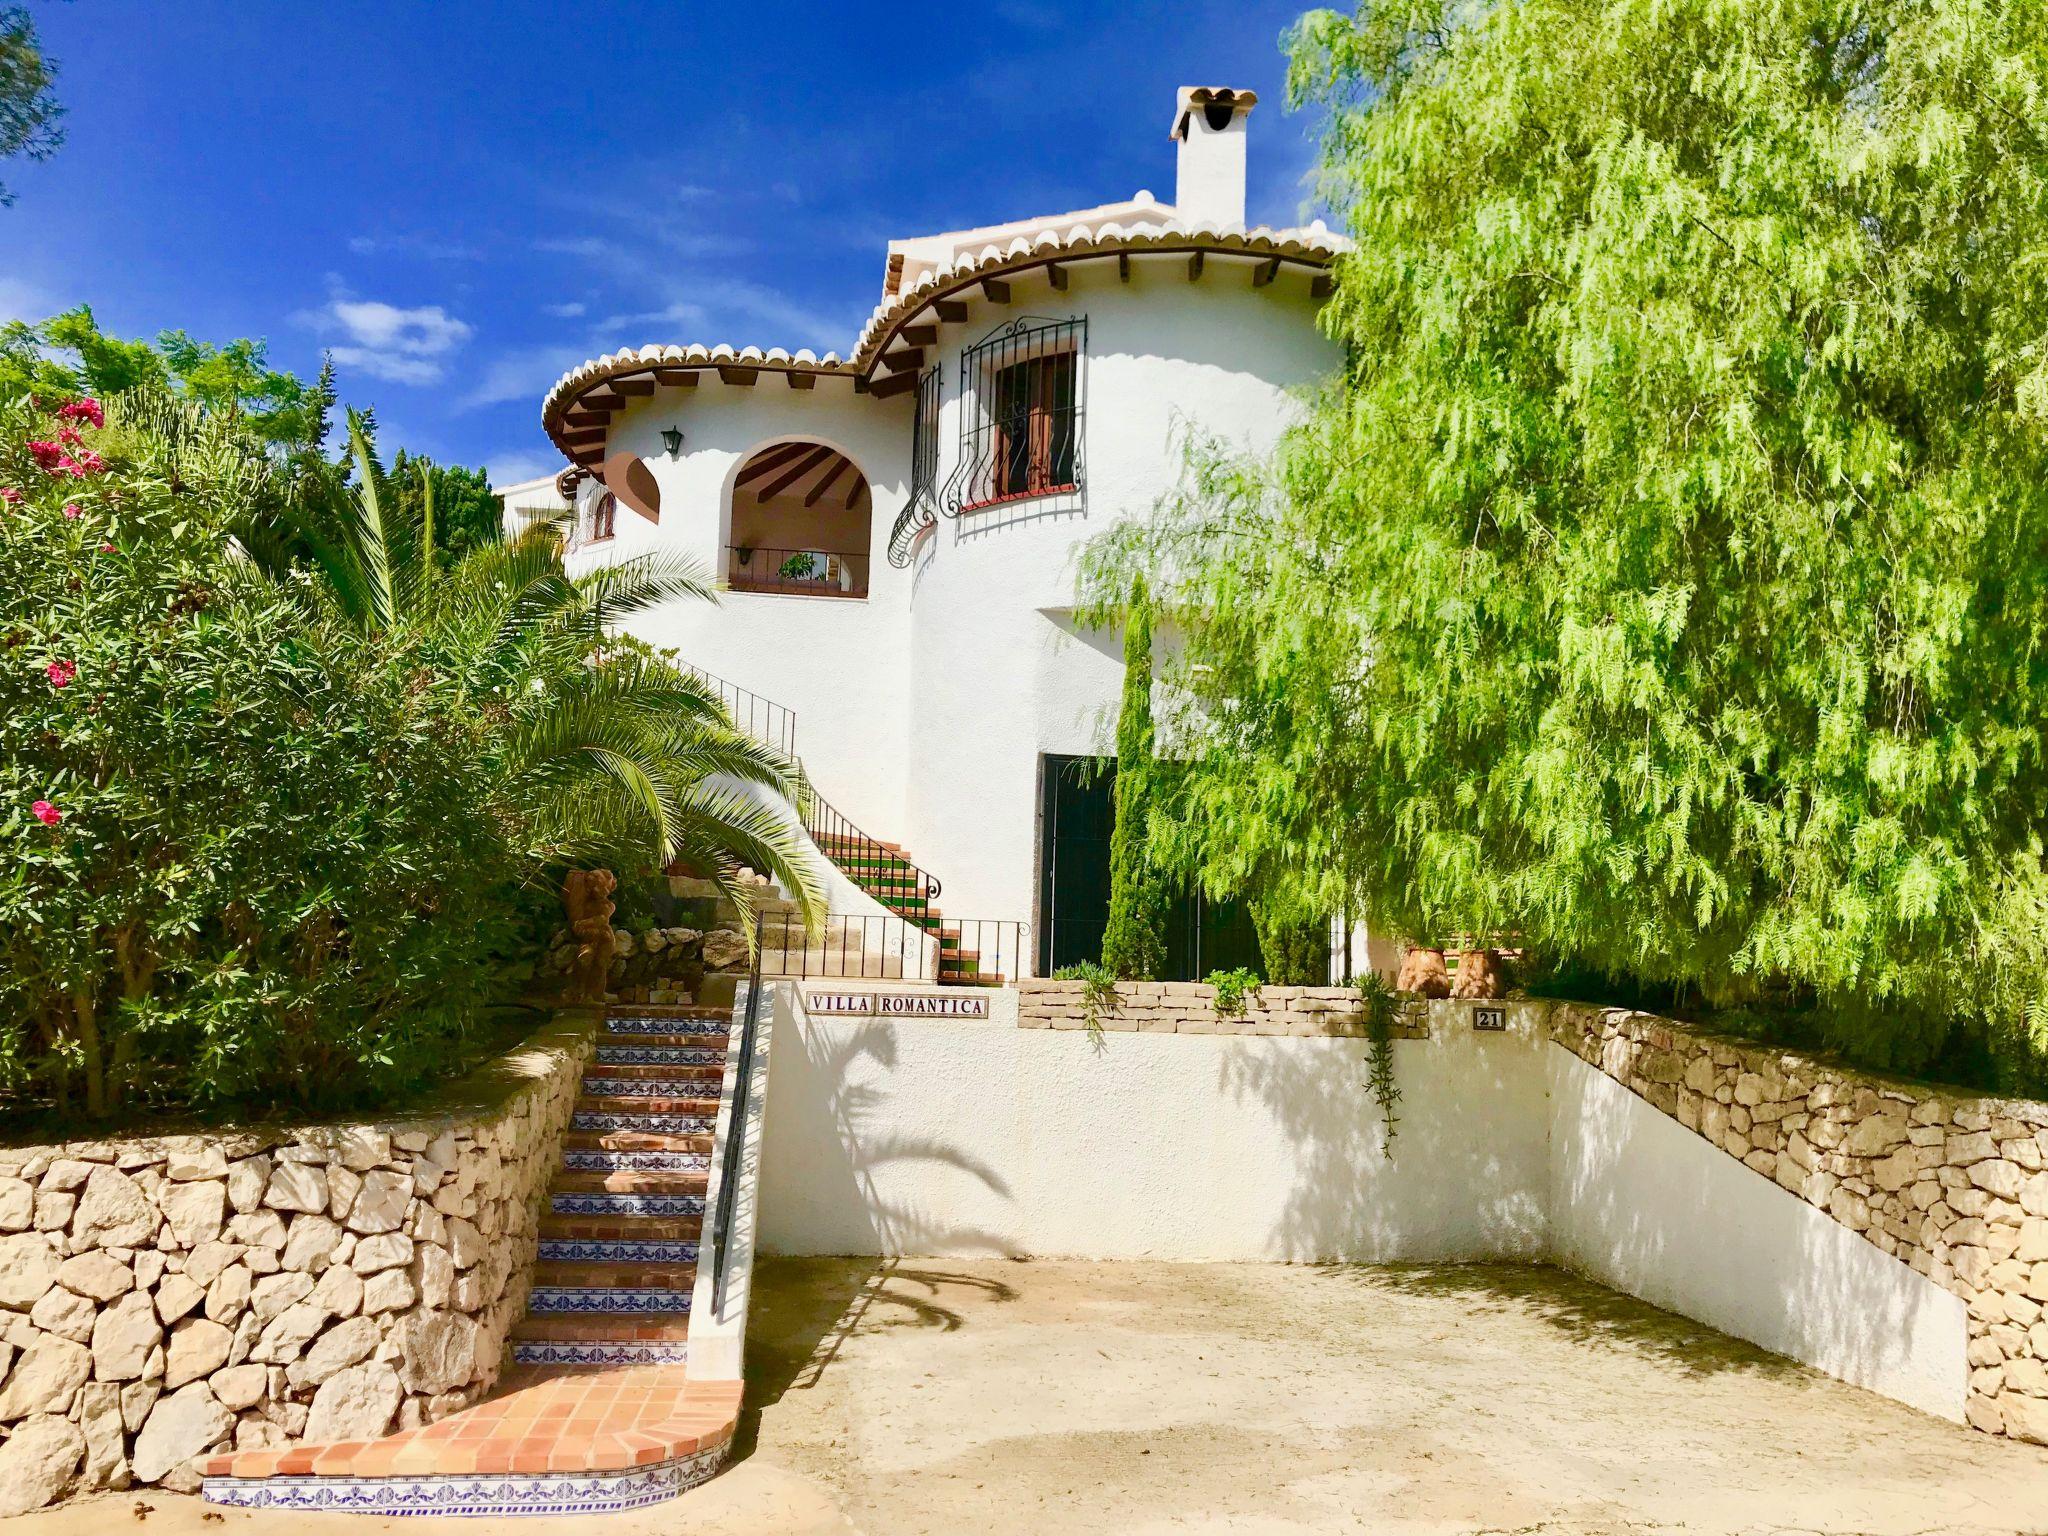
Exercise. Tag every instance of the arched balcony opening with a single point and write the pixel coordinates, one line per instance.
(800, 523)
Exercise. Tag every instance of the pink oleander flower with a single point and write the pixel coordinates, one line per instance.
(73, 511)
(87, 409)
(88, 463)
(46, 813)
(60, 673)
(70, 435)
(10, 495)
(106, 549)
(47, 453)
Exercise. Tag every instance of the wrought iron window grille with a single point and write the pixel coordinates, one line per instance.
(921, 510)
(1022, 405)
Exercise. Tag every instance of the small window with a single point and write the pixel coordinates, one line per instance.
(604, 518)
(1034, 412)
(1021, 410)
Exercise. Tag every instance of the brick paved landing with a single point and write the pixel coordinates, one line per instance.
(596, 1413)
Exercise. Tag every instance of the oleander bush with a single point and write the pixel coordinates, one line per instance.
(240, 857)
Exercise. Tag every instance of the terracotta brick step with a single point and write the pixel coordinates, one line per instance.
(618, 1274)
(634, 1141)
(698, 1105)
(665, 1328)
(674, 1229)
(689, 1182)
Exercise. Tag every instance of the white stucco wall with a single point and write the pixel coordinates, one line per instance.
(953, 1138)
(1001, 673)
(1640, 1203)
(838, 662)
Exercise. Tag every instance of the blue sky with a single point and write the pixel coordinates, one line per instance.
(463, 199)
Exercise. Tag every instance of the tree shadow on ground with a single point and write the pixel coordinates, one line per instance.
(1584, 1311)
(804, 1310)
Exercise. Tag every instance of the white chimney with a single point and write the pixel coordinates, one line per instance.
(1209, 122)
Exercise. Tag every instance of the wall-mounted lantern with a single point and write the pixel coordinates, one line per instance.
(672, 440)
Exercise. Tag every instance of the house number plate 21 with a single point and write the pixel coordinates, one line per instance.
(1490, 1020)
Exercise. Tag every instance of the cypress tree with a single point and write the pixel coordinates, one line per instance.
(1134, 943)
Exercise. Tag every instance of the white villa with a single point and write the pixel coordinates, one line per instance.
(895, 528)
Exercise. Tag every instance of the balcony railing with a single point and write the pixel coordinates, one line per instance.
(964, 952)
(808, 572)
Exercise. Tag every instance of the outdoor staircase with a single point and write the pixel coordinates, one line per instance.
(887, 873)
(618, 1243)
(597, 1413)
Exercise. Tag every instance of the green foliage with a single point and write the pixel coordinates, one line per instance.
(263, 876)
(1232, 989)
(598, 751)
(69, 355)
(1664, 580)
(1134, 942)
(1382, 1005)
(28, 109)
(1098, 991)
(467, 513)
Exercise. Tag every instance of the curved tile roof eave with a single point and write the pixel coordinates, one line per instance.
(1313, 245)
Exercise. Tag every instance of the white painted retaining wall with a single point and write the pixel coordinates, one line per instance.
(956, 1138)
(1640, 1203)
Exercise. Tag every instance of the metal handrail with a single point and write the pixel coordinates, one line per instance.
(825, 821)
(853, 946)
(770, 723)
(735, 1134)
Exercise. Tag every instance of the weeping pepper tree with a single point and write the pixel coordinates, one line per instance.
(1663, 576)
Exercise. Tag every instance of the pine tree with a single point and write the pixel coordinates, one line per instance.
(1134, 943)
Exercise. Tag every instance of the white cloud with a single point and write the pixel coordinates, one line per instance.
(563, 311)
(413, 245)
(524, 373)
(387, 341)
(590, 247)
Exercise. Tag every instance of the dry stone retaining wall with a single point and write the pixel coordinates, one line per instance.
(168, 1298)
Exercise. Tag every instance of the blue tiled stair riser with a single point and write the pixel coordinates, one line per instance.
(616, 1250)
(650, 1087)
(583, 1160)
(660, 1056)
(611, 1301)
(718, 1027)
(580, 1203)
(585, 1493)
(598, 1352)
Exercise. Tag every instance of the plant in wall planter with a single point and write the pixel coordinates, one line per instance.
(1382, 1005)
(1233, 990)
(1098, 991)
(1423, 973)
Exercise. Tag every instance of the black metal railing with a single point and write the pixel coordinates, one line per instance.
(1022, 404)
(921, 510)
(873, 865)
(770, 723)
(970, 951)
(733, 1166)
(812, 572)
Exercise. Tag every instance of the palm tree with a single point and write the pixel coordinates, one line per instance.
(599, 749)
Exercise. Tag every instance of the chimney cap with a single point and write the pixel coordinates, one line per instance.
(1191, 98)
